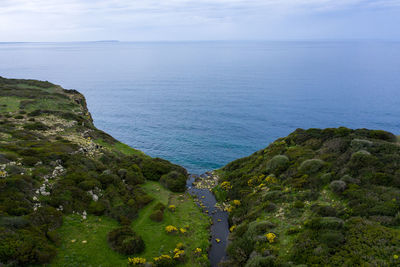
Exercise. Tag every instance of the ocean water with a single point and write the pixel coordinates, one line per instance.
(204, 104)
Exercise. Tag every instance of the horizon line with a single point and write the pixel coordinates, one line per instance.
(214, 40)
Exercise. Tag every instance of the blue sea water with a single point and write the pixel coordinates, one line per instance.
(204, 104)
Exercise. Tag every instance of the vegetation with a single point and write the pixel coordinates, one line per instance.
(317, 197)
(186, 216)
(55, 165)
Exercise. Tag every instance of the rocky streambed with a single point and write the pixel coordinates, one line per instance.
(200, 187)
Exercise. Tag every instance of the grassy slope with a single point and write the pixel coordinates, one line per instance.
(96, 251)
(187, 213)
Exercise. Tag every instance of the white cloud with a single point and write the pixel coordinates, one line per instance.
(170, 19)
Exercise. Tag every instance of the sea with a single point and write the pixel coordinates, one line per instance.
(204, 104)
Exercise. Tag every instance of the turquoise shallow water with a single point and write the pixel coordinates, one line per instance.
(204, 104)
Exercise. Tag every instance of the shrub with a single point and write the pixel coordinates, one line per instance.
(29, 161)
(47, 216)
(164, 261)
(89, 184)
(15, 222)
(324, 210)
(259, 261)
(36, 126)
(277, 164)
(155, 168)
(331, 238)
(337, 186)
(97, 208)
(311, 166)
(382, 135)
(107, 177)
(318, 223)
(134, 175)
(125, 241)
(174, 181)
(350, 180)
(157, 216)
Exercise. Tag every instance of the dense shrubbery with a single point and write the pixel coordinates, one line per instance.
(125, 241)
(336, 189)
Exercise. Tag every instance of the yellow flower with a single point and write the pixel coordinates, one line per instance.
(162, 257)
(236, 202)
(233, 227)
(136, 261)
(179, 245)
(226, 185)
(229, 209)
(271, 179)
(217, 240)
(197, 250)
(271, 237)
(396, 257)
(171, 229)
(183, 231)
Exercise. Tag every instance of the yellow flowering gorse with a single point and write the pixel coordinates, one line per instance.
(136, 261)
(226, 185)
(271, 237)
(171, 229)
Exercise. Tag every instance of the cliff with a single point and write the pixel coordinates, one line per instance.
(55, 164)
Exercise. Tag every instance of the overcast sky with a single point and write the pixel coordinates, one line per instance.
(149, 20)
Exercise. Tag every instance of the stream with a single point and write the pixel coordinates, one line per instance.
(220, 225)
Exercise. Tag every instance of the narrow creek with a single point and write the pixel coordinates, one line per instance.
(219, 227)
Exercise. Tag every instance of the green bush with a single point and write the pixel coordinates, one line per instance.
(97, 208)
(338, 186)
(311, 166)
(125, 241)
(277, 164)
(174, 181)
(38, 126)
(331, 223)
(157, 216)
(331, 238)
(153, 169)
(259, 261)
(89, 184)
(47, 216)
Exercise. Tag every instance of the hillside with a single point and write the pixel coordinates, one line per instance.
(316, 198)
(73, 193)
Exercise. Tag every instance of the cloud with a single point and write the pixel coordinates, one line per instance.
(179, 19)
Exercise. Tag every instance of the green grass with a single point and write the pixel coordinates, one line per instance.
(121, 147)
(187, 213)
(11, 103)
(94, 230)
(96, 251)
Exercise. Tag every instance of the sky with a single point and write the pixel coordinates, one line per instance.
(180, 20)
